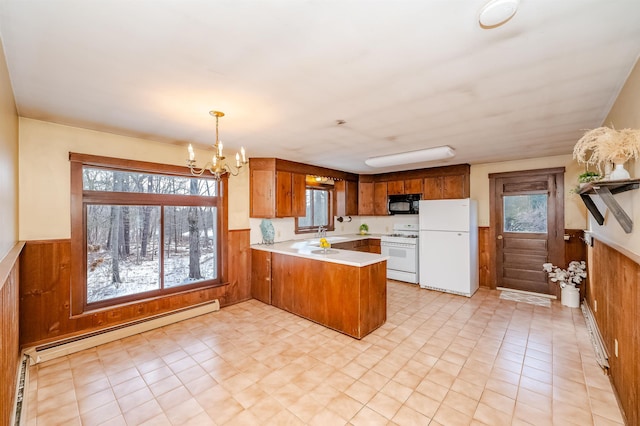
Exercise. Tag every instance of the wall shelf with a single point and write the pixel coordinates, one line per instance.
(606, 190)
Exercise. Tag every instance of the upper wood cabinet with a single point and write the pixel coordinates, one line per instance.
(275, 193)
(455, 187)
(413, 186)
(262, 200)
(432, 188)
(283, 194)
(380, 199)
(396, 187)
(298, 195)
(365, 199)
(346, 198)
(440, 187)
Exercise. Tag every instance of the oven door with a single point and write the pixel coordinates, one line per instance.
(402, 257)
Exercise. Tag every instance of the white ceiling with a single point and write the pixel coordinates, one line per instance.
(404, 75)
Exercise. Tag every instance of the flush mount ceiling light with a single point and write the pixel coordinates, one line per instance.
(497, 12)
(216, 166)
(422, 155)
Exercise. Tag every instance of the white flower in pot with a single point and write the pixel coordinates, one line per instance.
(569, 280)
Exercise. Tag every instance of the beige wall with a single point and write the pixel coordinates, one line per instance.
(8, 161)
(45, 182)
(575, 211)
(625, 113)
(45, 197)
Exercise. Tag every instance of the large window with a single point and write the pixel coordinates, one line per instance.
(142, 233)
(319, 212)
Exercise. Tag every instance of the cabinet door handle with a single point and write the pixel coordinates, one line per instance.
(499, 237)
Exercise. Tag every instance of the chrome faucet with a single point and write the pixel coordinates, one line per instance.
(322, 232)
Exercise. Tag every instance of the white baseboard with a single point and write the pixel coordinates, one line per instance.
(54, 350)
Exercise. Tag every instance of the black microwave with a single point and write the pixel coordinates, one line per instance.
(404, 204)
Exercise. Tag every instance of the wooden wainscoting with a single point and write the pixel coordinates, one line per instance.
(9, 332)
(485, 257)
(614, 298)
(45, 293)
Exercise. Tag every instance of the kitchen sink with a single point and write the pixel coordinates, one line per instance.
(323, 251)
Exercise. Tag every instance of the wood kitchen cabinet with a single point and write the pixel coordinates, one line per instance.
(298, 195)
(346, 198)
(445, 187)
(349, 299)
(413, 186)
(365, 198)
(370, 245)
(380, 199)
(262, 195)
(284, 194)
(454, 187)
(275, 193)
(261, 275)
(395, 187)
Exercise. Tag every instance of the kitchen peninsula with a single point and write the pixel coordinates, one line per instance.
(343, 290)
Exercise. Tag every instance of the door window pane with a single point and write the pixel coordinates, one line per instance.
(122, 250)
(189, 245)
(525, 213)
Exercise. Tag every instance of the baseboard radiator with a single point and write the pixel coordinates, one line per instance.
(71, 345)
(596, 338)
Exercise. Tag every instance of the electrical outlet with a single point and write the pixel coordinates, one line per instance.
(616, 347)
(595, 305)
(386, 229)
(278, 234)
(341, 228)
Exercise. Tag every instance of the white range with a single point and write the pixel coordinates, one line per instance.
(402, 248)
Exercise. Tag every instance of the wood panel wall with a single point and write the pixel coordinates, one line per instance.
(614, 298)
(45, 295)
(574, 249)
(485, 257)
(9, 332)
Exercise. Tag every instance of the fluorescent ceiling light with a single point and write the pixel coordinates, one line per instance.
(497, 12)
(422, 155)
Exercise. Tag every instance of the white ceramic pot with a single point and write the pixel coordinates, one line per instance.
(619, 173)
(570, 296)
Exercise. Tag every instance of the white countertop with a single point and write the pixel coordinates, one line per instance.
(304, 248)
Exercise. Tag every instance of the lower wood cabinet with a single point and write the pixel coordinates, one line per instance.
(370, 245)
(349, 299)
(261, 275)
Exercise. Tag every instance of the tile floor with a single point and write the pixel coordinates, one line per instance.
(439, 360)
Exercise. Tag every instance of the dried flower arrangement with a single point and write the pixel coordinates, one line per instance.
(573, 275)
(604, 144)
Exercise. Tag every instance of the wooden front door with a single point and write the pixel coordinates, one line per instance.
(527, 226)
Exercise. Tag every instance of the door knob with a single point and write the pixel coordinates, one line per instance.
(499, 237)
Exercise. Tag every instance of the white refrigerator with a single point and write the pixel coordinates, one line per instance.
(449, 245)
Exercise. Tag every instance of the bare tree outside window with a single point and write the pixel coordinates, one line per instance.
(318, 212)
(123, 241)
(525, 213)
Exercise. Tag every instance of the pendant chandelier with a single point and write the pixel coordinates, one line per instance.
(217, 167)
